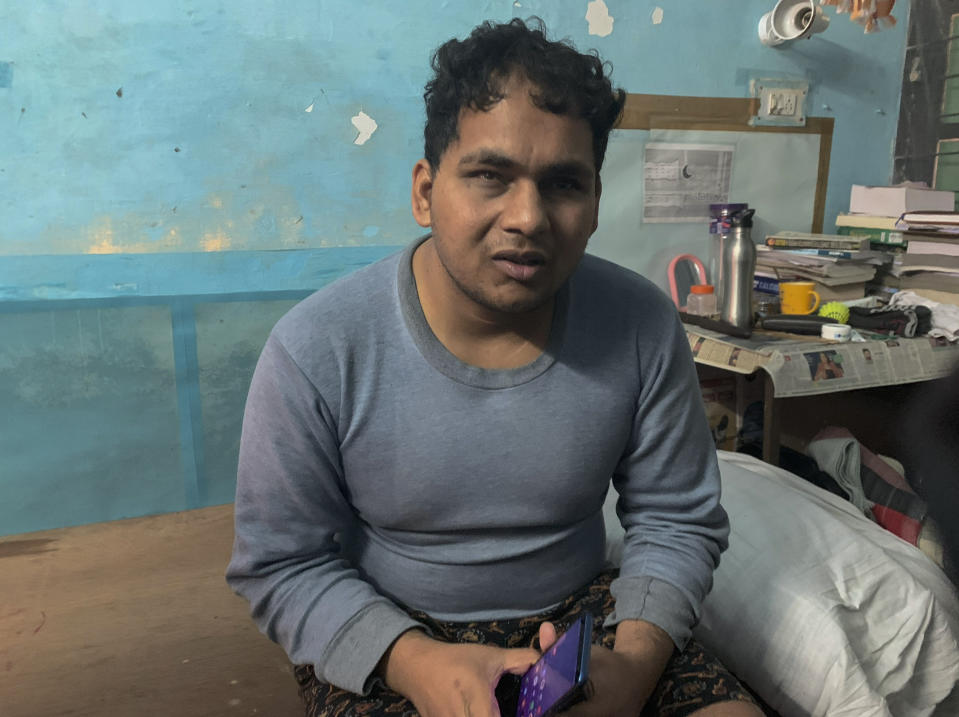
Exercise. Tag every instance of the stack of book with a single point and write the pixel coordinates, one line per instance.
(839, 266)
(930, 265)
(878, 229)
(874, 211)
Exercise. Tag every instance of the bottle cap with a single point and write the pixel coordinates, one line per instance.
(720, 215)
(701, 289)
(725, 210)
(743, 218)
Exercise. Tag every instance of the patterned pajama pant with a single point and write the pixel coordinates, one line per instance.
(693, 678)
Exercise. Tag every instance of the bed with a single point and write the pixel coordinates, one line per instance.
(820, 610)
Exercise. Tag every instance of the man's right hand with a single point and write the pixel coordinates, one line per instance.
(451, 680)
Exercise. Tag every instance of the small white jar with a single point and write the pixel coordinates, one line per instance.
(701, 300)
(836, 332)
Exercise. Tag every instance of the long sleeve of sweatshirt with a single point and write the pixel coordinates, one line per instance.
(290, 507)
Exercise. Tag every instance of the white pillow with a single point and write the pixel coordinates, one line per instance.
(820, 610)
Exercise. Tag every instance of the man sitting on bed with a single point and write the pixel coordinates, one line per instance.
(427, 443)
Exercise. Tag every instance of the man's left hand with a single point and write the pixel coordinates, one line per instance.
(620, 680)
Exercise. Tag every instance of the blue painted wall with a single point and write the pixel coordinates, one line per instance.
(149, 126)
(197, 139)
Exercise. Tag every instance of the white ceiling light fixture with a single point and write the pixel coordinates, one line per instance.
(791, 20)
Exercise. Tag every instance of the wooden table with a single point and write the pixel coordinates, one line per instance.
(792, 390)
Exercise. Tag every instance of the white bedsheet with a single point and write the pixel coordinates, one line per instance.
(819, 609)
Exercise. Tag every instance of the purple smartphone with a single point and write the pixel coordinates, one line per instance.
(557, 679)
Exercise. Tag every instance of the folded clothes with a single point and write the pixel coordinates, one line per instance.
(906, 321)
(840, 457)
(945, 317)
(876, 488)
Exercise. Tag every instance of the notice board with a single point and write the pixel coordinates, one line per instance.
(780, 171)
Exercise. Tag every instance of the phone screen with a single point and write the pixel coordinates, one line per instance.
(559, 672)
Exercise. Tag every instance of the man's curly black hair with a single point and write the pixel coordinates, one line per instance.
(471, 74)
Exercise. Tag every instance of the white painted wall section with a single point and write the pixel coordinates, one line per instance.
(365, 125)
(599, 19)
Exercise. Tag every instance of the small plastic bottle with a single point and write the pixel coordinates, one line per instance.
(701, 300)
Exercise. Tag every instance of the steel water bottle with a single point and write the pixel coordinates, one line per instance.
(738, 267)
(720, 222)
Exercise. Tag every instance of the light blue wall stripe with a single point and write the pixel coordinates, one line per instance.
(22, 307)
(188, 401)
(84, 276)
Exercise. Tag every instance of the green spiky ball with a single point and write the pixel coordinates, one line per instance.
(835, 310)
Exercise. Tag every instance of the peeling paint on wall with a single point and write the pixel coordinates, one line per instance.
(599, 19)
(657, 16)
(83, 153)
(102, 240)
(249, 217)
(914, 71)
(216, 241)
(365, 125)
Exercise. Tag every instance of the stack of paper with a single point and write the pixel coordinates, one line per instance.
(935, 222)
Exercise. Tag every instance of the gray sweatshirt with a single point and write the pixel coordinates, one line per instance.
(377, 470)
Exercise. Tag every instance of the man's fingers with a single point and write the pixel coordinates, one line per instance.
(547, 635)
(517, 661)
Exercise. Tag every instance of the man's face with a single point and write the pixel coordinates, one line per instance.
(512, 204)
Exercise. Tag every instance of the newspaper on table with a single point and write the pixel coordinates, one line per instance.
(808, 366)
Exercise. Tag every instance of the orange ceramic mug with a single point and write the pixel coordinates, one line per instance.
(798, 297)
